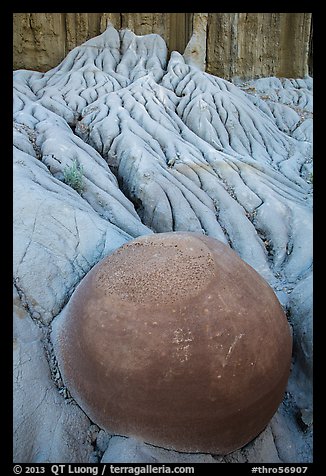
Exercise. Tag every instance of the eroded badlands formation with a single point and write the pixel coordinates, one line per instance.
(120, 141)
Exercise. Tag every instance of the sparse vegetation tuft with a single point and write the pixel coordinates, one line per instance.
(73, 176)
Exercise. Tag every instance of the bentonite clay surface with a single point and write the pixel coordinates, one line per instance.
(118, 141)
(175, 340)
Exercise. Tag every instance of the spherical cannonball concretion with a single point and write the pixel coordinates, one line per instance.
(175, 340)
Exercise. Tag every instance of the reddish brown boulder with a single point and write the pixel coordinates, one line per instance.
(175, 340)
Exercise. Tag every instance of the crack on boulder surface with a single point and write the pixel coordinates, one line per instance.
(47, 346)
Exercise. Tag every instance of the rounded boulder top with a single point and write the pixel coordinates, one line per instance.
(175, 340)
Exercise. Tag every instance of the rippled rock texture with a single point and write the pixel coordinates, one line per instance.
(120, 141)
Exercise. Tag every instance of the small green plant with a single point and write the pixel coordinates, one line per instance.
(73, 176)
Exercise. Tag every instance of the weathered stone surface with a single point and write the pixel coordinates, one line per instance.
(42, 40)
(192, 340)
(47, 429)
(236, 44)
(122, 449)
(53, 223)
(275, 444)
(195, 51)
(301, 308)
(38, 40)
(250, 45)
(157, 145)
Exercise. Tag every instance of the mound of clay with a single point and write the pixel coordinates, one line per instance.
(177, 341)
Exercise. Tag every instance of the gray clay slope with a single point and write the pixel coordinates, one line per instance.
(159, 146)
